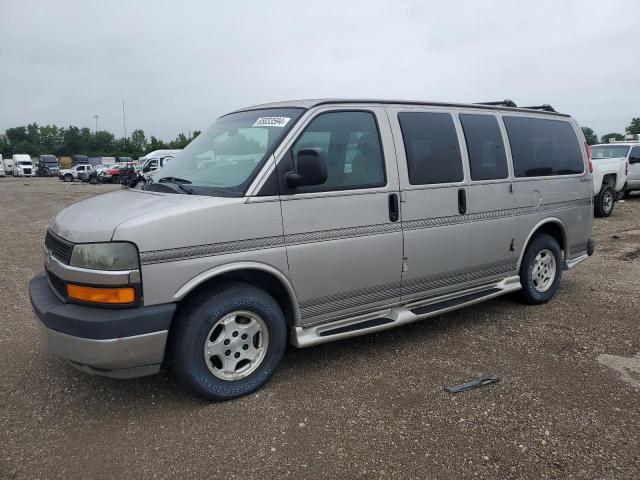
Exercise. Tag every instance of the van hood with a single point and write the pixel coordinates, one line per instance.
(95, 219)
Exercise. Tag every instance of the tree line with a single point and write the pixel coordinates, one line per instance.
(591, 137)
(35, 139)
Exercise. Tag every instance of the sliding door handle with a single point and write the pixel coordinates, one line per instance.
(394, 207)
(462, 201)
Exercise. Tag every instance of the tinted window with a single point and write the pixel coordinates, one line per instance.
(543, 147)
(351, 145)
(484, 144)
(635, 152)
(431, 146)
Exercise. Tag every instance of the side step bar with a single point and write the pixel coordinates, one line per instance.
(400, 315)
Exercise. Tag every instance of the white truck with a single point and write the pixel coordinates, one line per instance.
(623, 150)
(610, 168)
(2, 174)
(71, 174)
(23, 166)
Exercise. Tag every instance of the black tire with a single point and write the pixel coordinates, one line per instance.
(193, 324)
(539, 243)
(604, 201)
(68, 178)
(622, 194)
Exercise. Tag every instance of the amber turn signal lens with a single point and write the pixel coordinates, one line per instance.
(101, 295)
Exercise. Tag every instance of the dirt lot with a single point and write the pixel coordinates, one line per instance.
(568, 405)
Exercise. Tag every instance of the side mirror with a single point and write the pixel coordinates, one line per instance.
(146, 168)
(311, 169)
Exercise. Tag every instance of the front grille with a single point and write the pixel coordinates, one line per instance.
(27, 171)
(59, 248)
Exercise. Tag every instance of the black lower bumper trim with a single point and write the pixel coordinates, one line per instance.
(92, 322)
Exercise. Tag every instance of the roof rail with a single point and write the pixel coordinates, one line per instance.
(546, 107)
(500, 103)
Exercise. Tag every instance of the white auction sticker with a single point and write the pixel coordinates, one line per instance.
(271, 122)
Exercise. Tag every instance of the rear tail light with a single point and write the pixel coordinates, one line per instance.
(587, 149)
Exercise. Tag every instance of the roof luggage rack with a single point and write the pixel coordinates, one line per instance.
(546, 107)
(510, 103)
(500, 103)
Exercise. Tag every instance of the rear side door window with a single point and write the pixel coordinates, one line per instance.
(487, 159)
(431, 146)
(351, 144)
(543, 147)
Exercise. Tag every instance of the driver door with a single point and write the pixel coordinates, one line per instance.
(344, 245)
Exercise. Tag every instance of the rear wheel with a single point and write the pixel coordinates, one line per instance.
(227, 342)
(541, 269)
(604, 201)
(68, 177)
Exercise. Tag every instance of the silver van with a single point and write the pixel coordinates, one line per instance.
(312, 221)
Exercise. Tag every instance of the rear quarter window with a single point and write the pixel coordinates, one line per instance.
(543, 147)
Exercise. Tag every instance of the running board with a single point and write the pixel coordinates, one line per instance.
(400, 315)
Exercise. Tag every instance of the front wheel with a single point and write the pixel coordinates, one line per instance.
(227, 342)
(68, 177)
(541, 269)
(604, 201)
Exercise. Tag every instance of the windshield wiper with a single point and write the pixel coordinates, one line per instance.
(173, 180)
(179, 182)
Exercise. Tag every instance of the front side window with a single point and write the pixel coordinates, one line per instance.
(351, 146)
(487, 159)
(225, 158)
(542, 147)
(431, 146)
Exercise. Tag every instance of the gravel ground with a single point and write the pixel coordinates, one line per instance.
(371, 407)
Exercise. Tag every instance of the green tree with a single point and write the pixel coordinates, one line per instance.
(615, 136)
(634, 126)
(102, 143)
(590, 136)
(16, 135)
(155, 144)
(138, 142)
(180, 142)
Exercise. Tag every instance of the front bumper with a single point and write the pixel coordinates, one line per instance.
(119, 343)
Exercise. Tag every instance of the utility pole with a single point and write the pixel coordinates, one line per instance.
(124, 121)
(96, 117)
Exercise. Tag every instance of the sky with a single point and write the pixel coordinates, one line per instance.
(181, 64)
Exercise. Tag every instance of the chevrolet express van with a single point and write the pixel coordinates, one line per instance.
(312, 221)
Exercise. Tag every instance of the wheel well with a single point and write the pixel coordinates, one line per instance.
(553, 229)
(264, 280)
(609, 178)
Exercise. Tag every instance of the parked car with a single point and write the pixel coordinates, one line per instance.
(23, 166)
(157, 154)
(116, 172)
(622, 151)
(609, 176)
(47, 166)
(98, 169)
(71, 174)
(2, 174)
(215, 268)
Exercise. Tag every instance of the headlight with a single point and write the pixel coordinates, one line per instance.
(105, 256)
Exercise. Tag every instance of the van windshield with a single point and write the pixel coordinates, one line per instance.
(225, 158)
(24, 163)
(614, 151)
